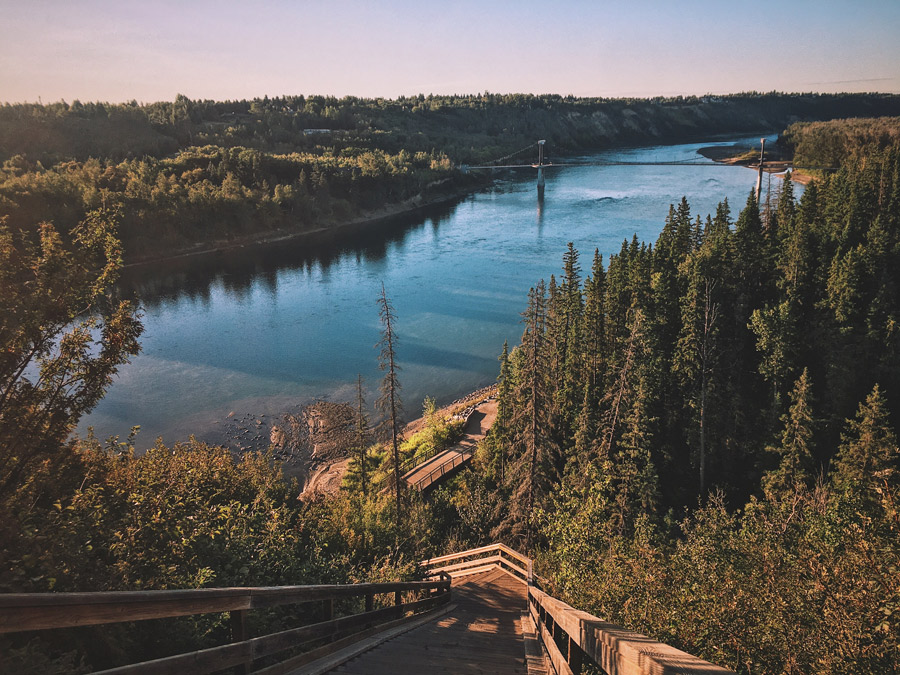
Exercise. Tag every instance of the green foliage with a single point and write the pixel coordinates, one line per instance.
(62, 338)
(837, 142)
(208, 193)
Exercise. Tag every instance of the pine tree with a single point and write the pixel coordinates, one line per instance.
(594, 322)
(530, 475)
(635, 482)
(795, 448)
(505, 410)
(868, 453)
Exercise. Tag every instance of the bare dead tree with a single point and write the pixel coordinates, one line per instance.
(389, 402)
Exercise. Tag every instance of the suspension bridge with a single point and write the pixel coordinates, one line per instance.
(541, 165)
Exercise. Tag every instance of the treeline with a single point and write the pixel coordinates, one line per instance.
(187, 173)
(835, 142)
(467, 128)
(697, 438)
(209, 193)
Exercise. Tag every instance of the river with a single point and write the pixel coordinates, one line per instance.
(260, 331)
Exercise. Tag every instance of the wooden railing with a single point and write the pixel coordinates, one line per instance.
(482, 559)
(440, 471)
(570, 637)
(44, 611)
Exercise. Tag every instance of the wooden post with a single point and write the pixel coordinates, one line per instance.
(370, 602)
(398, 603)
(238, 621)
(575, 657)
(328, 609)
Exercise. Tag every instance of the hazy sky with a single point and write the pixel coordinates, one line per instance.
(152, 50)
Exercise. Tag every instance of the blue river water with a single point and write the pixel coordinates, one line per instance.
(263, 330)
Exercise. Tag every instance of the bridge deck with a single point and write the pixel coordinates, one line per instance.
(432, 471)
(483, 634)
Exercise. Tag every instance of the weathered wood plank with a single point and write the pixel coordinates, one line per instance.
(616, 649)
(482, 635)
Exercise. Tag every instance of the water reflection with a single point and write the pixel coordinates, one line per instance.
(242, 269)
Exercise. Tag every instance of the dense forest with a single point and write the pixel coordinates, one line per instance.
(834, 142)
(696, 438)
(195, 174)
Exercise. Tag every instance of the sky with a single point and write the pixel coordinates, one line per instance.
(150, 50)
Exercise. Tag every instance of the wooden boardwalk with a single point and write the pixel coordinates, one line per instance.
(482, 634)
(478, 611)
(443, 464)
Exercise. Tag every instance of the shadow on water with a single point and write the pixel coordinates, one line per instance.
(241, 269)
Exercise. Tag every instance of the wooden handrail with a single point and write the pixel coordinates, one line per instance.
(446, 467)
(613, 648)
(476, 551)
(44, 611)
(38, 611)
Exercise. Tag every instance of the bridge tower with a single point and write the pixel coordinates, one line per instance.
(762, 155)
(540, 168)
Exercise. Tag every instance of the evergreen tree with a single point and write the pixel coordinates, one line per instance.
(794, 470)
(505, 411)
(868, 454)
(530, 475)
(592, 342)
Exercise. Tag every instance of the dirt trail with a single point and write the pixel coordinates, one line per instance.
(326, 478)
(434, 469)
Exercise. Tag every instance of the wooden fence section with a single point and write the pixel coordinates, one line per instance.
(41, 611)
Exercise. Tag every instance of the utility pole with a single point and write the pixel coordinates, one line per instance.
(762, 155)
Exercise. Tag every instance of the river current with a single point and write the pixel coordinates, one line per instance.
(261, 331)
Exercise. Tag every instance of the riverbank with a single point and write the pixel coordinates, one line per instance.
(365, 222)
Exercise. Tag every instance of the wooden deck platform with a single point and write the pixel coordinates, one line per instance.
(428, 473)
(482, 634)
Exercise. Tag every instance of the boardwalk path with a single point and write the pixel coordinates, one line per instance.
(430, 472)
(482, 634)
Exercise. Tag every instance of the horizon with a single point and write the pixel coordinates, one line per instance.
(97, 50)
(403, 97)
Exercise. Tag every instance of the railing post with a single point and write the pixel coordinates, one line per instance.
(370, 602)
(238, 621)
(328, 609)
(575, 657)
(398, 603)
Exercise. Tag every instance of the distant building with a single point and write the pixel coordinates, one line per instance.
(314, 132)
